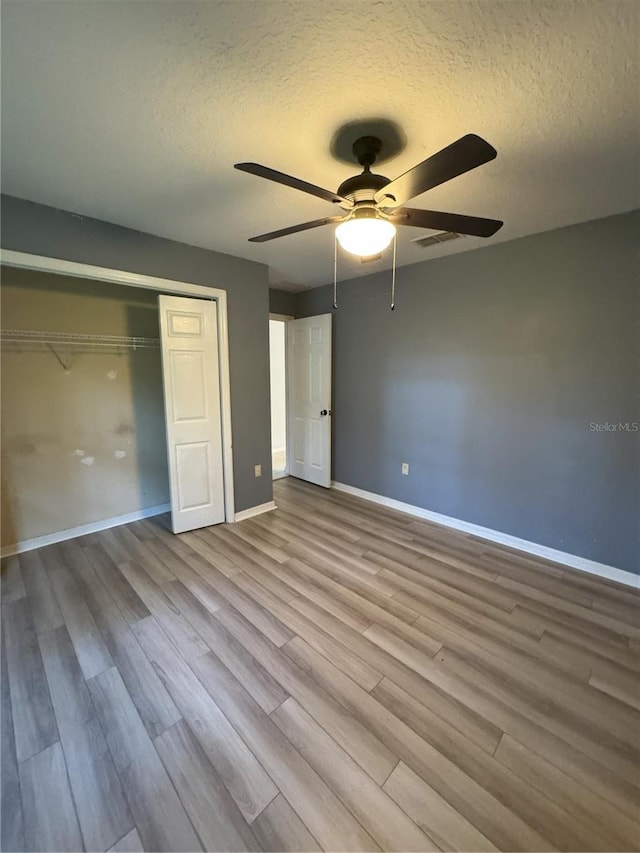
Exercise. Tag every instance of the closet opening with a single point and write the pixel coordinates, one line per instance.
(84, 426)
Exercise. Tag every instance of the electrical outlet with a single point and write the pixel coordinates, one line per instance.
(258, 470)
(405, 468)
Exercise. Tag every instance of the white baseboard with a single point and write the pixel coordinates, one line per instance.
(83, 530)
(565, 559)
(255, 510)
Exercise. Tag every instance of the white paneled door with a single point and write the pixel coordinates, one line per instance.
(309, 385)
(189, 336)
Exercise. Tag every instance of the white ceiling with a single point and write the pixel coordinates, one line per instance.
(134, 112)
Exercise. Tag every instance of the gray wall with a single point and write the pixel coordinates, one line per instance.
(486, 379)
(28, 227)
(282, 302)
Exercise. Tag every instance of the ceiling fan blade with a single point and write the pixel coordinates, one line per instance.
(288, 181)
(476, 226)
(293, 229)
(461, 156)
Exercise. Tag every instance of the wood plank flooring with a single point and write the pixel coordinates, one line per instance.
(332, 675)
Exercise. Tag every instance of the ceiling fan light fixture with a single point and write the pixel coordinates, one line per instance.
(365, 233)
(374, 204)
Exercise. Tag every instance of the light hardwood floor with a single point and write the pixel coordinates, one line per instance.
(332, 675)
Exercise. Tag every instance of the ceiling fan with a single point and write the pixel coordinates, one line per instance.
(373, 204)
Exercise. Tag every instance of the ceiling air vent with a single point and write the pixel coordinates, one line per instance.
(434, 239)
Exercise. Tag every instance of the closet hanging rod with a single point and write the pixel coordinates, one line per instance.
(76, 339)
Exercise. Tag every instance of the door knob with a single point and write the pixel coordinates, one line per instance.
(324, 412)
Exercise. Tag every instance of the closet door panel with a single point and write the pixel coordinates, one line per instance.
(189, 334)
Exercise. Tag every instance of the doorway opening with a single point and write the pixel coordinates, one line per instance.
(278, 374)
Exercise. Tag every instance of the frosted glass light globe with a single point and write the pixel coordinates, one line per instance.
(366, 236)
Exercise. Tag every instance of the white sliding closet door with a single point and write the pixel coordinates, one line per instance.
(309, 386)
(189, 336)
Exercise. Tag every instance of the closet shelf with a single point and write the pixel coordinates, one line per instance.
(66, 345)
(76, 339)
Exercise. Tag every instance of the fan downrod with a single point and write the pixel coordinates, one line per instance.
(366, 149)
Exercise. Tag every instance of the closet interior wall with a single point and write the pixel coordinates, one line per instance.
(83, 429)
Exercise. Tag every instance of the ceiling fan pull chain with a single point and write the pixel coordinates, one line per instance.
(393, 275)
(335, 271)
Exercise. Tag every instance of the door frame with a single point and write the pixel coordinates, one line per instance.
(284, 318)
(57, 266)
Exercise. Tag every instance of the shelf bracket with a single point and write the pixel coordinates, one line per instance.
(65, 365)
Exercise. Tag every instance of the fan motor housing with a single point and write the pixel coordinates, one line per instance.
(366, 182)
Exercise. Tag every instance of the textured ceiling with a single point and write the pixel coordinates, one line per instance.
(134, 112)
